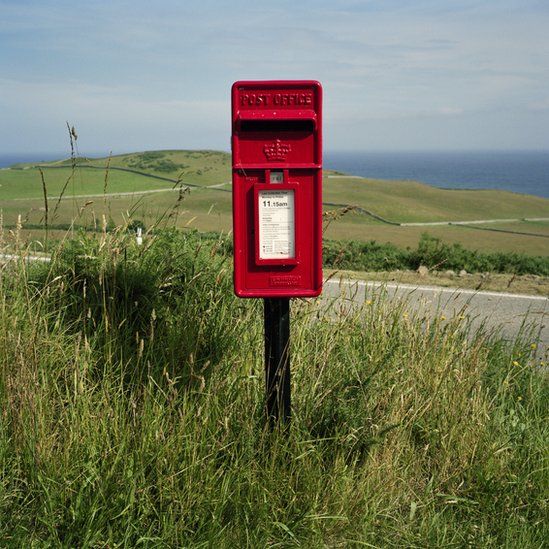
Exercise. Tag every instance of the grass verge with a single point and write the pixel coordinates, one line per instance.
(518, 284)
(132, 414)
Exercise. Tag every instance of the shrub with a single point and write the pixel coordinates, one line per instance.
(432, 253)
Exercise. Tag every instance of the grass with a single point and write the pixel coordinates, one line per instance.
(210, 210)
(528, 227)
(410, 201)
(24, 185)
(353, 228)
(400, 201)
(196, 167)
(132, 391)
(495, 282)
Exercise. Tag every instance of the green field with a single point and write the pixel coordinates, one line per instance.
(91, 193)
(408, 201)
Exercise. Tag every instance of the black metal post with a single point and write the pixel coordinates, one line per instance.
(277, 359)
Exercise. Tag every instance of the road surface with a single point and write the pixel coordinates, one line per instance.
(504, 313)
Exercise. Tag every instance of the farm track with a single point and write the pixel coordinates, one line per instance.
(113, 195)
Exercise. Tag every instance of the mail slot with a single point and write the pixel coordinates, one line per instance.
(277, 188)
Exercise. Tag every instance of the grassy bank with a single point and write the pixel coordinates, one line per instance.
(517, 284)
(132, 391)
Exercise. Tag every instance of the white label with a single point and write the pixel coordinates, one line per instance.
(276, 177)
(276, 224)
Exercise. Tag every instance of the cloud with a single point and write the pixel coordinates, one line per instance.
(541, 105)
(159, 69)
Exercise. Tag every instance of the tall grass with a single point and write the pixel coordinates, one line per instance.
(131, 383)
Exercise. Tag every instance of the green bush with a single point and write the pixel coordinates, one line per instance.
(156, 161)
(364, 256)
(432, 253)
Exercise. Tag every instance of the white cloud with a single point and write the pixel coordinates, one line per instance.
(163, 70)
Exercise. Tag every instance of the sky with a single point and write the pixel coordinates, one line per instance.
(397, 75)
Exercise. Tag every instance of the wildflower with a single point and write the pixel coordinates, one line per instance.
(442, 317)
(516, 363)
(533, 346)
(519, 398)
(404, 315)
(369, 302)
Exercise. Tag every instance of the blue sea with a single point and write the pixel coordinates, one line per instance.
(518, 171)
(13, 158)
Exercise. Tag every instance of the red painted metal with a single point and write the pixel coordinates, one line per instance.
(277, 127)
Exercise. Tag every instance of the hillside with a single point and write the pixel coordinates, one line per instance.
(200, 166)
(142, 184)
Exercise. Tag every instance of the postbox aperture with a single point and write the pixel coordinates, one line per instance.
(277, 188)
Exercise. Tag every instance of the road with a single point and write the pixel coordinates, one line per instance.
(106, 195)
(504, 313)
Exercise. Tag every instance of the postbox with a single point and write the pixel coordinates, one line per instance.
(277, 188)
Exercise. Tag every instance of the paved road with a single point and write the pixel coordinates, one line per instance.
(502, 312)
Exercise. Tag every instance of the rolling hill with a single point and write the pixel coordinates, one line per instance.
(146, 185)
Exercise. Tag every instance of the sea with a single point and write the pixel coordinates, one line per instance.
(524, 172)
(14, 158)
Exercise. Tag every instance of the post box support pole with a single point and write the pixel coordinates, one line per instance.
(277, 359)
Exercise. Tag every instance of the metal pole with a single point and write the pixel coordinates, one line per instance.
(277, 359)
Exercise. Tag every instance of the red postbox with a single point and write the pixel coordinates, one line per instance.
(277, 188)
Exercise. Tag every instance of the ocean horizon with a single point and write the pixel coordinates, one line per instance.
(525, 172)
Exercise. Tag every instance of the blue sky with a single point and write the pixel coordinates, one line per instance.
(397, 75)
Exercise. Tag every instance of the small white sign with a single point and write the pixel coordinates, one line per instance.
(276, 224)
(277, 177)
